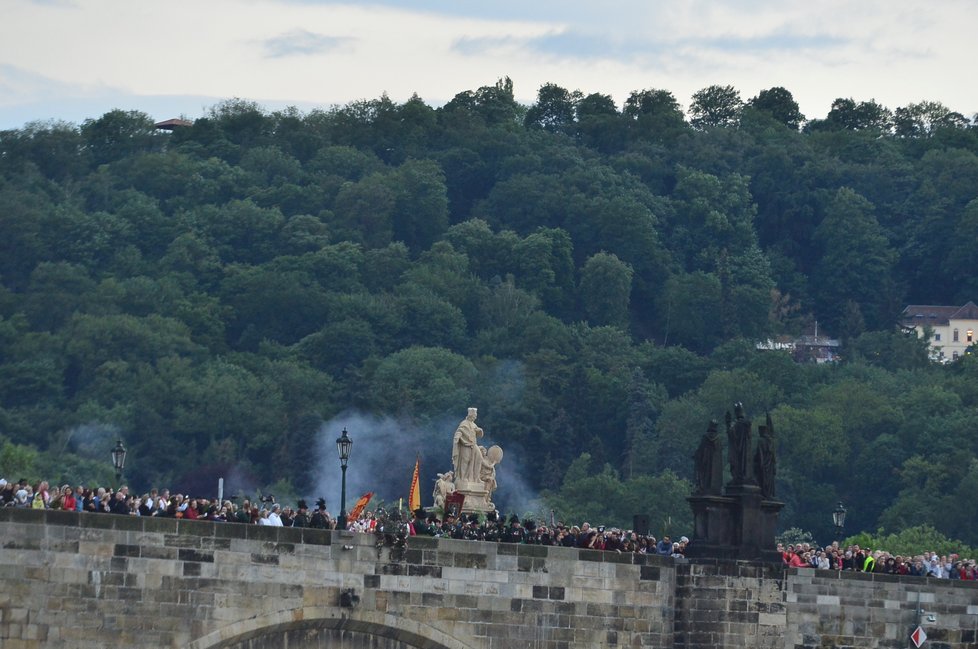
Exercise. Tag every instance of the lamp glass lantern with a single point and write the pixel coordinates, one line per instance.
(839, 517)
(119, 456)
(343, 447)
(119, 459)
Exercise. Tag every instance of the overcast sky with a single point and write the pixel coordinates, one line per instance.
(75, 59)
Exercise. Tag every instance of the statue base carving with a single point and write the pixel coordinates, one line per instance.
(738, 525)
(477, 499)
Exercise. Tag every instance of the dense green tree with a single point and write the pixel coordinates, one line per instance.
(56, 292)
(278, 305)
(555, 110)
(924, 118)
(119, 134)
(865, 115)
(241, 231)
(599, 125)
(543, 262)
(56, 149)
(956, 261)
(364, 211)
(420, 211)
(856, 262)
(422, 382)
(715, 106)
(712, 214)
(654, 114)
(689, 311)
(606, 287)
(780, 104)
(493, 105)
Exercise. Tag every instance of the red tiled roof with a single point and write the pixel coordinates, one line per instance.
(934, 315)
(968, 312)
(170, 124)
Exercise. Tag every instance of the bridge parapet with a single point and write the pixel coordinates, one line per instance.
(94, 580)
(83, 581)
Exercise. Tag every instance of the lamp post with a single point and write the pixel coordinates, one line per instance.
(839, 520)
(343, 446)
(118, 461)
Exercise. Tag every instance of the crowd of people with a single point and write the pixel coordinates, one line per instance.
(491, 527)
(495, 528)
(853, 557)
(160, 503)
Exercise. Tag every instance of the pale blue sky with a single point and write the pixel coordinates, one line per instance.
(74, 59)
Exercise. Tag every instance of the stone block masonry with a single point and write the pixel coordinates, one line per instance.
(86, 581)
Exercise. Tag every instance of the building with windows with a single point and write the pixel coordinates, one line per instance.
(953, 328)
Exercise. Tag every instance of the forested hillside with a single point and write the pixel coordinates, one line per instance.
(594, 278)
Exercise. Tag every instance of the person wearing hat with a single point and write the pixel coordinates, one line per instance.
(301, 518)
(320, 518)
(419, 525)
(515, 533)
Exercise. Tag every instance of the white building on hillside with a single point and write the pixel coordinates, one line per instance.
(953, 328)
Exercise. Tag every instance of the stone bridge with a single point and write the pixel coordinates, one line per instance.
(86, 581)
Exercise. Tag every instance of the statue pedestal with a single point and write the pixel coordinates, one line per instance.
(737, 525)
(476, 497)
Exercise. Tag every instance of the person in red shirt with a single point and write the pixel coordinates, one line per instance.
(795, 561)
(68, 502)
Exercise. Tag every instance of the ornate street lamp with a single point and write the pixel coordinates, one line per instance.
(119, 460)
(839, 520)
(343, 447)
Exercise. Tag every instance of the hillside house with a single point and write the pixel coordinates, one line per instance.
(952, 328)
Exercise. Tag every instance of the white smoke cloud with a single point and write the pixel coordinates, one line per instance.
(94, 440)
(383, 455)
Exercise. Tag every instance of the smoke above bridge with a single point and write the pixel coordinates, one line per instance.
(383, 455)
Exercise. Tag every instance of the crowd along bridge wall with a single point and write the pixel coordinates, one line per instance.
(86, 581)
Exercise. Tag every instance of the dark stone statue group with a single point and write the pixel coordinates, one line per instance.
(746, 468)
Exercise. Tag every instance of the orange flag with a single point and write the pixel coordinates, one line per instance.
(358, 508)
(414, 495)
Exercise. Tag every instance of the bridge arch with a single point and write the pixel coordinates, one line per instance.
(313, 628)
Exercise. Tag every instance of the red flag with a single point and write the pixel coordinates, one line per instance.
(414, 495)
(358, 508)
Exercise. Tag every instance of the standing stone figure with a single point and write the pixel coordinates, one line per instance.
(487, 474)
(444, 485)
(739, 437)
(765, 460)
(708, 462)
(466, 456)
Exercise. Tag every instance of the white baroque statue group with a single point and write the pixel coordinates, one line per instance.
(473, 471)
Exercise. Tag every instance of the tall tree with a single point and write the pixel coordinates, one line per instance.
(923, 118)
(118, 134)
(780, 104)
(555, 110)
(855, 264)
(847, 114)
(653, 114)
(606, 287)
(716, 106)
(599, 125)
